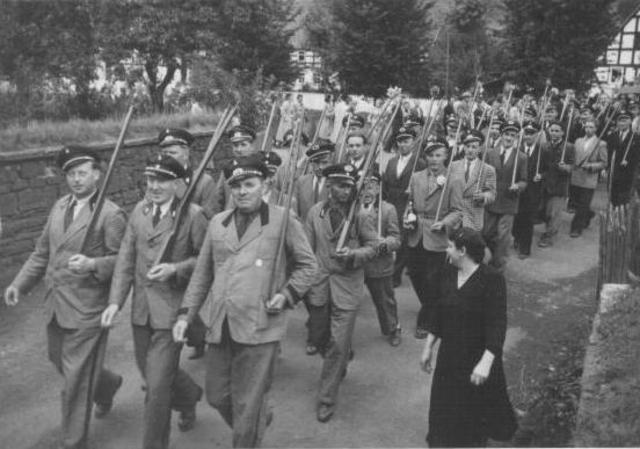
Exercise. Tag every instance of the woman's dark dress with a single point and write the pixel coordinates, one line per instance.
(468, 321)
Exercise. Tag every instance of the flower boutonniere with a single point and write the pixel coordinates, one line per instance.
(440, 180)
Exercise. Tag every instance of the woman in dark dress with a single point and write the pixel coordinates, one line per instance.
(469, 401)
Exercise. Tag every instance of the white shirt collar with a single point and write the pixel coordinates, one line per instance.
(164, 208)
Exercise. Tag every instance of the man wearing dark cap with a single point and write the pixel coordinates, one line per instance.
(242, 140)
(395, 181)
(339, 284)
(355, 121)
(453, 137)
(241, 297)
(77, 288)
(378, 273)
(478, 181)
(177, 144)
(498, 219)
(427, 220)
(531, 197)
(624, 156)
(559, 157)
(158, 288)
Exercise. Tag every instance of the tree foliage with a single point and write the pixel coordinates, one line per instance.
(374, 43)
(557, 39)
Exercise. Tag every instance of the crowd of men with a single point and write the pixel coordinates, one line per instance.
(240, 258)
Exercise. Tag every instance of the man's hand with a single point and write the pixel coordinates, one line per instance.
(425, 359)
(12, 295)
(161, 272)
(179, 330)
(514, 188)
(344, 253)
(383, 248)
(276, 304)
(108, 315)
(479, 198)
(624, 163)
(537, 178)
(81, 264)
(564, 167)
(438, 226)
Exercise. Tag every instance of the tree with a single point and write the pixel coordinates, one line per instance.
(157, 36)
(375, 43)
(557, 39)
(254, 35)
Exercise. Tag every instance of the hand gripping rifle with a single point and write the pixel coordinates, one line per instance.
(183, 206)
(97, 209)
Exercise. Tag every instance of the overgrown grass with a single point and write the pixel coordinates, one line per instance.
(50, 133)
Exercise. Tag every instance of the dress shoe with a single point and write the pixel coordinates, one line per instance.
(545, 241)
(394, 337)
(198, 352)
(324, 413)
(311, 350)
(187, 420)
(102, 410)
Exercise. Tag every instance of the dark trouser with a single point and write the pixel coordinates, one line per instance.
(523, 224)
(582, 197)
(168, 387)
(237, 384)
(400, 262)
(317, 330)
(620, 194)
(496, 233)
(78, 355)
(381, 290)
(425, 269)
(554, 204)
(337, 356)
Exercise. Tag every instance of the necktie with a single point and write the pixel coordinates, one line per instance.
(502, 154)
(68, 215)
(316, 190)
(466, 172)
(157, 214)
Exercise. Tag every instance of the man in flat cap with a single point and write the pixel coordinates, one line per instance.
(511, 180)
(624, 155)
(434, 206)
(478, 181)
(241, 296)
(395, 181)
(559, 157)
(158, 287)
(339, 284)
(77, 288)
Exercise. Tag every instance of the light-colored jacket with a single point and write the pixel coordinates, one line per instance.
(586, 153)
(424, 192)
(76, 300)
(156, 302)
(473, 212)
(340, 280)
(382, 264)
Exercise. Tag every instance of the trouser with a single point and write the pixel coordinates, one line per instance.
(237, 384)
(337, 356)
(78, 355)
(523, 224)
(168, 387)
(553, 208)
(425, 270)
(381, 290)
(400, 261)
(582, 197)
(496, 233)
(317, 330)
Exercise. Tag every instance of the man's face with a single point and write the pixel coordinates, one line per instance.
(320, 163)
(370, 192)
(247, 193)
(341, 191)
(586, 115)
(556, 132)
(509, 138)
(452, 128)
(471, 150)
(623, 124)
(160, 190)
(529, 137)
(405, 145)
(355, 147)
(495, 130)
(589, 128)
(243, 148)
(436, 158)
(82, 179)
(179, 152)
(550, 115)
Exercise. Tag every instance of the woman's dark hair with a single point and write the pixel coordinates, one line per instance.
(471, 240)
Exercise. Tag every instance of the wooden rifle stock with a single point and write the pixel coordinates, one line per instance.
(183, 205)
(265, 139)
(102, 194)
(517, 147)
(484, 151)
(566, 138)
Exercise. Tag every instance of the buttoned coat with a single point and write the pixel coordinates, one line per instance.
(532, 195)
(425, 193)
(622, 175)
(203, 195)
(305, 197)
(382, 264)
(156, 302)
(472, 212)
(588, 151)
(556, 181)
(394, 188)
(76, 300)
(340, 280)
(232, 277)
(506, 202)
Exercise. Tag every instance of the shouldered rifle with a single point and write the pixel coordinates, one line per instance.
(95, 214)
(265, 139)
(183, 205)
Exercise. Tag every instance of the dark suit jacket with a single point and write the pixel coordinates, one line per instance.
(622, 175)
(506, 201)
(556, 182)
(304, 195)
(394, 188)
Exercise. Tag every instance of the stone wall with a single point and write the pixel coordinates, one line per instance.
(30, 183)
